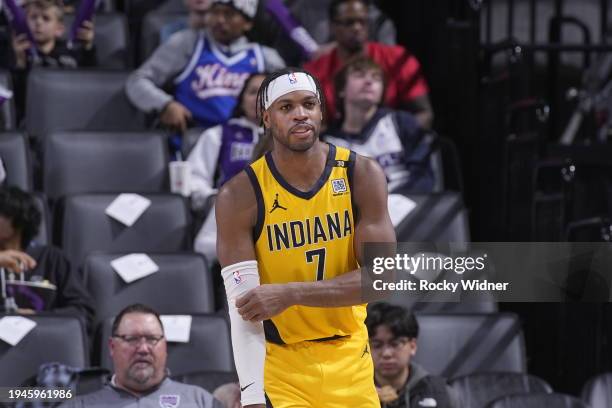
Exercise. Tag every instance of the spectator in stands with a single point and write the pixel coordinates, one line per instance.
(223, 151)
(400, 382)
(16, 261)
(313, 16)
(392, 137)
(45, 20)
(139, 352)
(406, 87)
(19, 224)
(220, 153)
(208, 69)
(196, 19)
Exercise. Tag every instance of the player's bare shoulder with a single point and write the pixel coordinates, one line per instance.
(368, 178)
(236, 200)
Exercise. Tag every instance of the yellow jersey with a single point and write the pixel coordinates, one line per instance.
(305, 237)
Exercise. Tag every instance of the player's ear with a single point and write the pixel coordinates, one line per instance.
(266, 119)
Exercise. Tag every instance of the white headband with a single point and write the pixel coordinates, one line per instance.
(284, 84)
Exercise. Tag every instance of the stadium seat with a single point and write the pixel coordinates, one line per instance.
(16, 158)
(209, 347)
(7, 109)
(209, 380)
(597, 392)
(152, 26)
(54, 339)
(79, 100)
(180, 276)
(44, 232)
(438, 218)
(538, 401)
(190, 138)
(477, 390)
(111, 39)
(83, 227)
(456, 344)
(100, 162)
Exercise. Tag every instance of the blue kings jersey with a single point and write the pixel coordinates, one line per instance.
(210, 84)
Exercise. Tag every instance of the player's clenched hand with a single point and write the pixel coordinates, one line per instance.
(263, 302)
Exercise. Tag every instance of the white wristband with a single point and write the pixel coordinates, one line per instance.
(248, 340)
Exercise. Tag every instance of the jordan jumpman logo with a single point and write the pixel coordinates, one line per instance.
(276, 205)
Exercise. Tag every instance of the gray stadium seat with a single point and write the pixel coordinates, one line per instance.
(190, 138)
(85, 228)
(597, 392)
(16, 158)
(438, 218)
(7, 109)
(209, 347)
(477, 390)
(180, 276)
(44, 233)
(100, 162)
(152, 25)
(79, 100)
(456, 344)
(538, 401)
(54, 339)
(111, 39)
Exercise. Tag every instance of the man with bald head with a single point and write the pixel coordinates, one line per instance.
(139, 352)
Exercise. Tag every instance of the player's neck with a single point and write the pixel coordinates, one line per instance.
(356, 117)
(301, 169)
(397, 382)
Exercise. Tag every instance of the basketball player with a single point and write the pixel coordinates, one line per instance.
(295, 221)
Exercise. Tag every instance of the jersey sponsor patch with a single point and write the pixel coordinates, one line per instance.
(339, 186)
(169, 400)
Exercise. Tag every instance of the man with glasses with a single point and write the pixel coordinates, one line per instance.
(139, 352)
(406, 86)
(401, 383)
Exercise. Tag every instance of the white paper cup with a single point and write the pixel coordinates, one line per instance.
(180, 177)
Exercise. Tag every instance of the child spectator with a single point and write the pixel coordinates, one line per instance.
(45, 21)
(393, 138)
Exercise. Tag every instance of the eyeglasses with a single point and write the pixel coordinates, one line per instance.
(395, 344)
(134, 341)
(349, 22)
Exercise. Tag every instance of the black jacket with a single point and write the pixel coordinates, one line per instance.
(423, 390)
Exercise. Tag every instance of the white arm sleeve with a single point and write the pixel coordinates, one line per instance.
(248, 339)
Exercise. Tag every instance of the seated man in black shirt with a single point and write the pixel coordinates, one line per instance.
(19, 224)
(401, 383)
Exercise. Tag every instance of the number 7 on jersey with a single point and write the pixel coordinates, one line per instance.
(320, 255)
